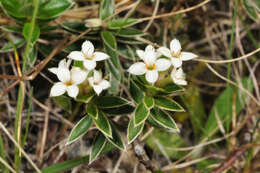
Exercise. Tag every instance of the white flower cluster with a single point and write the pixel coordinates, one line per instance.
(71, 78)
(152, 64)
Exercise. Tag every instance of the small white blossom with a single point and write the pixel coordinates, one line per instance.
(98, 83)
(151, 65)
(175, 53)
(69, 79)
(178, 76)
(88, 56)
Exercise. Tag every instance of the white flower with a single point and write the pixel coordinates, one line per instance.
(151, 65)
(178, 76)
(175, 53)
(88, 56)
(69, 79)
(98, 83)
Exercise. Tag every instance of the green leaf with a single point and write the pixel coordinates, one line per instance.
(103, 124)
(107, 8)
(65, 166)
(164, 119)
(250, 10)
(53, 8)
(136, 93)
(8, 47)
(171, 88)
(122, 110)
(111, 102)
(127, 51)
(15, 29)
(153, 90)
(80, 129)
(121, 23)
(165, 142)
(63, 101)
(109, 39)
(14, 8)
(115, 71)
(133, 131)
(141, 113)
(85, 98)
(116, 138)
(168, 104)
(225, 112)
(149, 102)
(33, 56)
(31, 37)
(97, 147)
(92, 110)
(110, 45)
(75, 27)
(128, 32)
(195, 110)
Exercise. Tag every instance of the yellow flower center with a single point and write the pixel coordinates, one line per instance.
(70, 82)
(90, 57)
(151, 67)
(176, 55)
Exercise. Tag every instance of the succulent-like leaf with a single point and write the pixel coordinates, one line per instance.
(121, 23)
(103, 124)
(111, 102)
(164, 119)
(116, 138)
(149, 102)
(141, 113)
(107, 8)
(133, 131)
(97, 147)
(168, 104)
(92, 110)
(80, 129)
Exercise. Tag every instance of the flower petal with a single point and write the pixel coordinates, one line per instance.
(63, 74)
(140, 53)
(180, 81)
(175, 46)
(97, 76)
(73, 91)
(162, 64)
(137, 68)
(89, 64)
(98, 89)
(76, 55)
(58, 89)
(149, 48)
(87, 48)
(185, 56)
(149, 55)
(178, 76)
(165, 51)
(104, 84)
(77, 75)
(63, 64)
(176, 62)
(151, 76)
(53, 70)
(99, 56)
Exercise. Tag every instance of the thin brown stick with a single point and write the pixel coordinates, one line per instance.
(175, 12)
